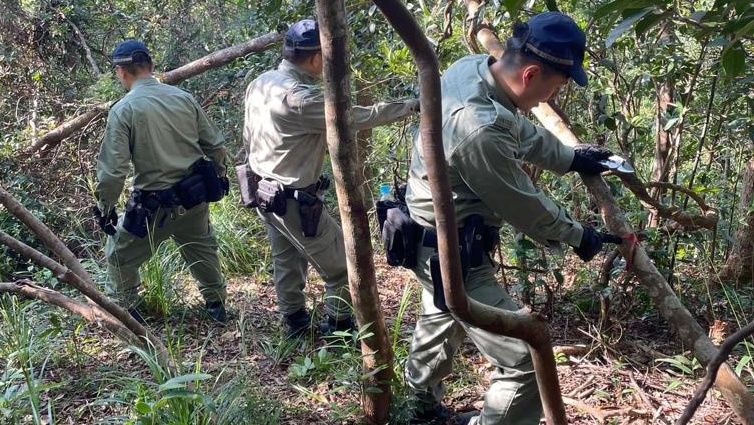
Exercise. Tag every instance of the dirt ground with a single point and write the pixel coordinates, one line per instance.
(609, 377)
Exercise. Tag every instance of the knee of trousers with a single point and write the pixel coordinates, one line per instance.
(513, 400)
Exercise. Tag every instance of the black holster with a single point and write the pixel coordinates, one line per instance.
(476, 241)
(140, 208)
(310, 207)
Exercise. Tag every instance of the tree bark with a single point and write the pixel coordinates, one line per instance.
(191, 69)
(532, 328)
(660, 165)
(740, 264)
(91, 312)
(377, 351)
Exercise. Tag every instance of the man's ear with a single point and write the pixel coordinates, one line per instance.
(528, 74)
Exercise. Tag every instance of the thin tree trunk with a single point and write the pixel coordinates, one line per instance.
(377, 351)
(191, 69)
(662, 148)
(740, 264)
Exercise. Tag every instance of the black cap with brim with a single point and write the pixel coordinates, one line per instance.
(303, 36)
(125, 53)
(556, 40)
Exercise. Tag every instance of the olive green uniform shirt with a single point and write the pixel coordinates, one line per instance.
(162, 130)
(285, 124)
(486, 141)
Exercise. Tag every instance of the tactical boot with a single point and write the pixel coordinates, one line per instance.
(335, 325)
(298, 323)
(216, 310)
(468, 418)
(436, 414)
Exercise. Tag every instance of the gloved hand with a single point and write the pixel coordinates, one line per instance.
(591, 243)
(586, 159)
(106, 223)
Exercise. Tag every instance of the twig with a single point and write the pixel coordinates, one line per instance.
(712, 367)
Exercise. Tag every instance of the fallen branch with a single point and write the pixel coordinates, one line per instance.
(712, 368)
(191, 69)
(73, 272)
(91, 312)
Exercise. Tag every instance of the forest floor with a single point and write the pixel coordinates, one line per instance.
(610, 377)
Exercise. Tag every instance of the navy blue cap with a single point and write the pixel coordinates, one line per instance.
(555, 39)
(302, 36)
(123, 53)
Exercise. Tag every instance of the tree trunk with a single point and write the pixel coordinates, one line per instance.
(191, 69)
(377, 351)
(740, 264)
(660, 167)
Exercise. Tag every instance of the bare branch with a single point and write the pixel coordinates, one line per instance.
(712, 367)
(91, 312)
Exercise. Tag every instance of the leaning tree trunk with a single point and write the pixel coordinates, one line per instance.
(689, 331)
(377, 351)
(740, 264)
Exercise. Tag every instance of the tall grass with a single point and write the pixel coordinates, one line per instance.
(244, 249)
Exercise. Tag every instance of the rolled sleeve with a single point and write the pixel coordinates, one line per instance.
(490, 163)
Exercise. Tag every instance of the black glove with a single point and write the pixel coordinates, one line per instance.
(106, 223)
(586, 159)
(591, 243)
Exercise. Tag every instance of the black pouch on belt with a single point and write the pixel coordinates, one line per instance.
(136, 217)
(271, 197)
(400, 236)
(205, 168)
(310, 209)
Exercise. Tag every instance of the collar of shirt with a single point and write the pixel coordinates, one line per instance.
(297, 72)
(146, 81)
(495, 93)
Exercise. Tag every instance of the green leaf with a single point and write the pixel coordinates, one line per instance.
(734, 60)
(513, 6)
(180, 381)
(625, 25)
(552, 5)
(650, 21)
(142, 408)
(619, 6)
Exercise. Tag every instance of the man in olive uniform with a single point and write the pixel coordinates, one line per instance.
(162, 131)
(486, 140)
(285, 129)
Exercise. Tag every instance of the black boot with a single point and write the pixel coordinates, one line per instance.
(216, 310)
(299, 323)
(346, 324)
